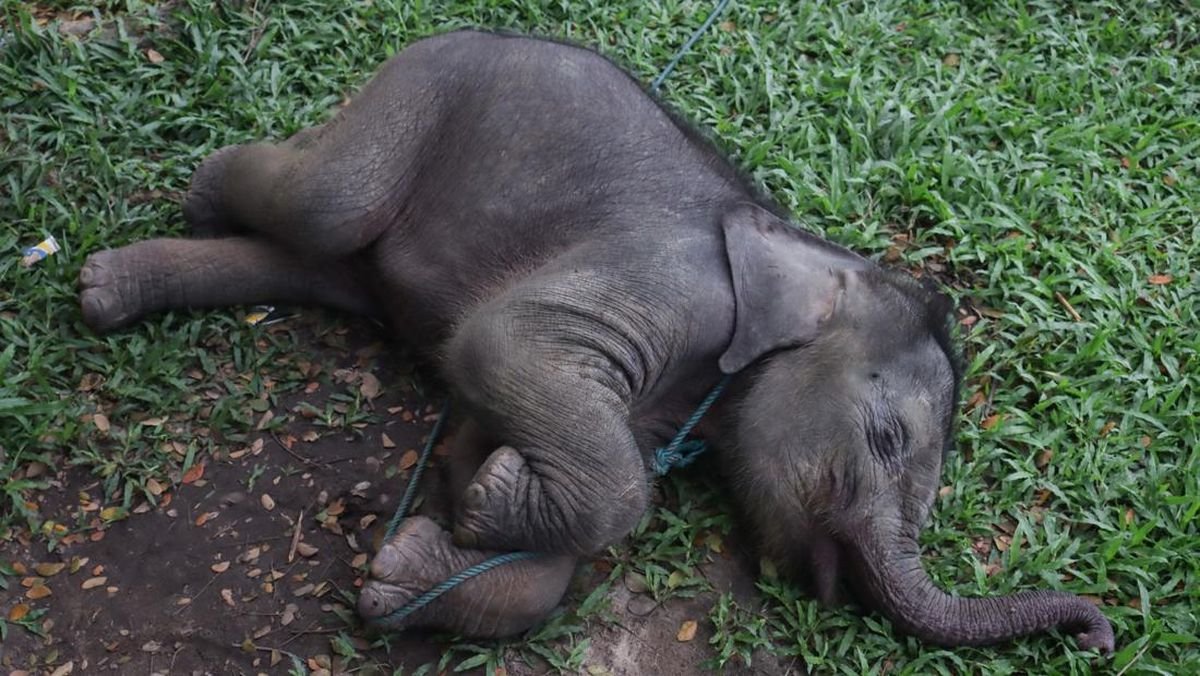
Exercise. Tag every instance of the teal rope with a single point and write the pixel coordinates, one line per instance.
(453, 581)
(410, 491)
(679, 54)
(681, 453)
(678, 453)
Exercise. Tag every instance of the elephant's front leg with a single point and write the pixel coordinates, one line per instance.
(569, 478)
(120, 286)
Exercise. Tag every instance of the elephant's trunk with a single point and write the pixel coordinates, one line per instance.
(890, 567)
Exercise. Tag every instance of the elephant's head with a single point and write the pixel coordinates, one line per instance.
(845, 408)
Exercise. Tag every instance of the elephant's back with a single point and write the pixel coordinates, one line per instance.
(527, 149)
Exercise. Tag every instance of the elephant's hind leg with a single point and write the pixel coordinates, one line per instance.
(500, 602)
(206, 208)
(119, 286)
(307, 193)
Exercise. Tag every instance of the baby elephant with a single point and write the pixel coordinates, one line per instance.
(582, 268)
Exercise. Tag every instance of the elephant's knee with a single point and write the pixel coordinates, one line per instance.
(489, 365)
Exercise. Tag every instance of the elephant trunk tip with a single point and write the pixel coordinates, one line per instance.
(1097, 633)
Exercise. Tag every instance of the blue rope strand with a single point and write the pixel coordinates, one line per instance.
(453, 581)
(410, 491)
(678, 453)
(682, 51)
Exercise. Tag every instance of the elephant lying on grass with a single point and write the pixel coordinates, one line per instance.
(581, 268)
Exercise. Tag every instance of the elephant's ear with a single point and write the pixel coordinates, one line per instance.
(786, 283)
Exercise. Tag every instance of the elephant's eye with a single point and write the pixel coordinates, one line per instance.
(886, 437)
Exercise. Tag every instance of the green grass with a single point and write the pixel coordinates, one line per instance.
(1040, 158)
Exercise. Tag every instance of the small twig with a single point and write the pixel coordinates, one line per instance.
(334, 461)
(247, 543)
(195, 596)
(258, 31)
(1136, 657)
(1062, 300)
(269, 649)
(295, 537)
(311, 630)
(308, 461)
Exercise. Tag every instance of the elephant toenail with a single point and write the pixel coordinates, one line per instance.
(465, 538)
(474, 497)
(369, 603)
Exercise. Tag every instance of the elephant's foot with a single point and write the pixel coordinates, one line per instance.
(483, 518)
(500, 602)
(111, 291)
(204, 206)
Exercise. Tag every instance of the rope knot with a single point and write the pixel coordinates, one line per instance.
(667, 458)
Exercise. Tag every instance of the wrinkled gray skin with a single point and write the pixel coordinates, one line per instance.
(582, 269)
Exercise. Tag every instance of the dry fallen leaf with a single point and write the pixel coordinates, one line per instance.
(976, 399)
(227, 595)
(310, 436)
(1159, 280)
(18, 612)
(154, 56)
(154, 487)
(93, 582)
(991, 421)
(408, 459)
(687, 631)
(370, 386)
(358, 561)
(268, 502)
(289, 614)
(205, 518)
(306, 550)
(38, 591)
(219, 567)
(1044, 458)
(387, 441)
(101, 422)
(49, 569)
(951, 59)
(193, 474)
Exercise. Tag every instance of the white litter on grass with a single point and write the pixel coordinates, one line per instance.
(266, 315)
(46, 247)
